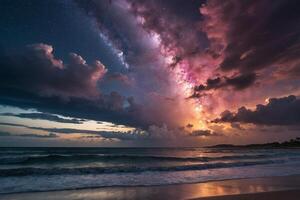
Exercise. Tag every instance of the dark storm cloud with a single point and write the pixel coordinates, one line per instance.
(207, 133)
(237, 36)
(175, 22)
(122, 78)
(35, 79)
(279, 111)
(36, 69)
(50, 135)
(54, 130)
(237, 126)
(255, 34)
(7, 134)
(136, 134)
(241, 82)
(153, 133)
(12, 124)
(104, 108)
(129, 135)
(238, 82)
(45, 116)
(189, 126)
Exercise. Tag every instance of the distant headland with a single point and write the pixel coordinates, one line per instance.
(293, 143)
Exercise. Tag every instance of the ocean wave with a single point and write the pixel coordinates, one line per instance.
(39, 159)
(33, 171)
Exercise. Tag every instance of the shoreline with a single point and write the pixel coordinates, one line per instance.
(149, 186)
(275, 195)
(207, 190)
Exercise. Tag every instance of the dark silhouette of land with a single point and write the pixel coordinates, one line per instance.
(293, 143)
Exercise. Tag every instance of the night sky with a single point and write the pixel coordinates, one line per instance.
(149, 72)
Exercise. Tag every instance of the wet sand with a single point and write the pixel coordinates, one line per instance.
(277, 195)
(273, 188)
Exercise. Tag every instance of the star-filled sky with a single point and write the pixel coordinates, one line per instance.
(149, 72)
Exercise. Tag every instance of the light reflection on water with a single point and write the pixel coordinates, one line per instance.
(186, 191)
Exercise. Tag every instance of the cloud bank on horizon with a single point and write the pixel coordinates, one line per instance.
(150, 72)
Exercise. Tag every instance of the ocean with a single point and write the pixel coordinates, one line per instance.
(48, 169)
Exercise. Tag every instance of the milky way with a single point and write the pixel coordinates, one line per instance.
(166, 70)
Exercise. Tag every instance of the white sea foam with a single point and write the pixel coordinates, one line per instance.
(164, 167)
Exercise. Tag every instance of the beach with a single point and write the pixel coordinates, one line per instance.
(273, 188)
(145, 173)
(279, 195)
